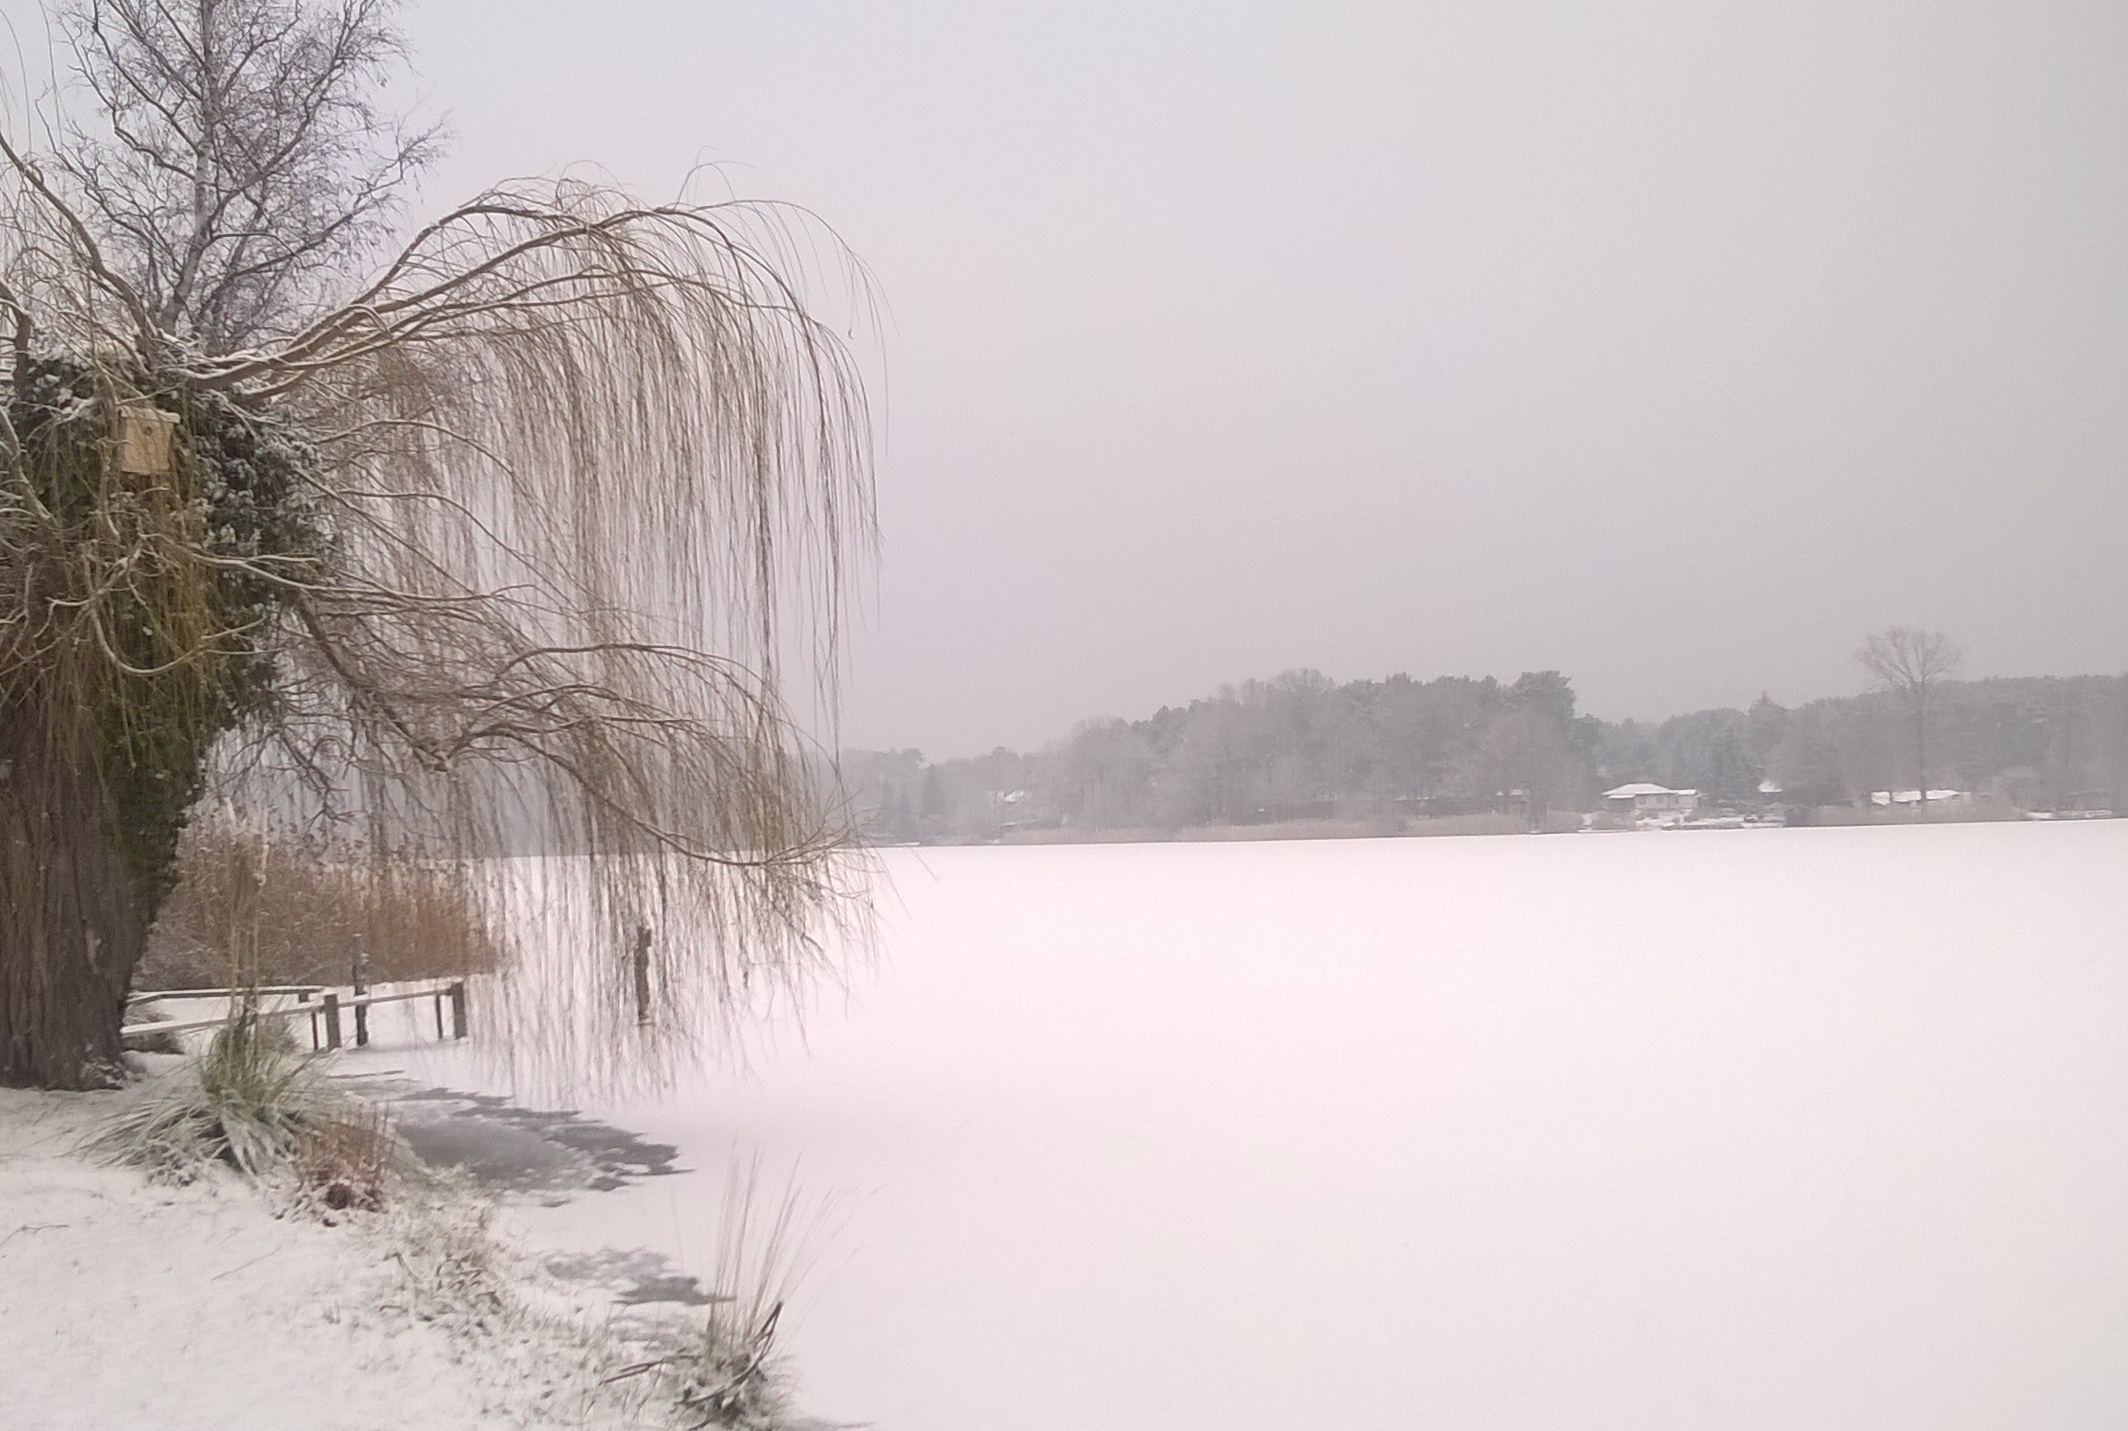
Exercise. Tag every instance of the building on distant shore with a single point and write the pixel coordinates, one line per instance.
(1644, 800)
(1911, 799)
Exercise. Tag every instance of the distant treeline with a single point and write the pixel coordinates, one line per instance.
(1388, 753)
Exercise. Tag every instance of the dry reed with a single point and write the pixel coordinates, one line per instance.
(310, 915)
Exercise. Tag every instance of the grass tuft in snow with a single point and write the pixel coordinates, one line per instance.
(249, 1101)
(736, 1378)
(453, 1270)
(734, 1375)
(349, 1158)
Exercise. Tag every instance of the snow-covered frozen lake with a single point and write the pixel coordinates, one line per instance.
(1811, 1128)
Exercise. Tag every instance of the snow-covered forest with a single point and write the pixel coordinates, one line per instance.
(1373, 753)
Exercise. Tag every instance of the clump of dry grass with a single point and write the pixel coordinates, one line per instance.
(734, 1374)
(736, 1378)
(252, 1102)
(305, 911)
(452, 1268)
(348, 1159)
(249, 1101)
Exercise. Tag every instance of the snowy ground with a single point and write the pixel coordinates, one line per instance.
(1808, 1128)
(126, 1304)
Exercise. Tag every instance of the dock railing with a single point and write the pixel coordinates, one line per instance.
(324, 1006)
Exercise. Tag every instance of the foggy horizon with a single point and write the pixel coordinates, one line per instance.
(1860, 684)
(1671, 350)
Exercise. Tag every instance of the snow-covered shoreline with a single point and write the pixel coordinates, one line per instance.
(225, 1304)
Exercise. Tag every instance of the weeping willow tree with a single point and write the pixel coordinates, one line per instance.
(496, 538)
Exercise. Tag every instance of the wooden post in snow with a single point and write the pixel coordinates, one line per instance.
(458, 1009)
(332, 1019)
(642, 974)
(361, 988)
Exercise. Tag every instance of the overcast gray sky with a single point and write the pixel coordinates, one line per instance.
(1674, 345)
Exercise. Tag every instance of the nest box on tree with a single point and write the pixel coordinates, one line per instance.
(146, 436)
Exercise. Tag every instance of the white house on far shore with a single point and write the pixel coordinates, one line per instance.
(1884, 798)
(1646, 801)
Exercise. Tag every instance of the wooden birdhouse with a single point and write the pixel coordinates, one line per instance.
(147, 437)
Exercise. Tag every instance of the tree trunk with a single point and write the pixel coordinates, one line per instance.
(1921, 748)
(72, 915)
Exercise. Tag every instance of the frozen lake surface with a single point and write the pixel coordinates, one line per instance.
(1810, 1128)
